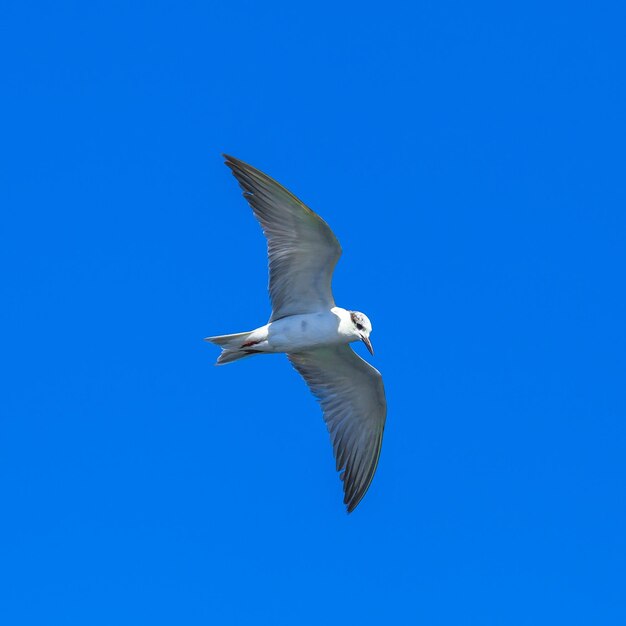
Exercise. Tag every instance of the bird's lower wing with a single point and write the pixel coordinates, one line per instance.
(352, 397)
(302, 250)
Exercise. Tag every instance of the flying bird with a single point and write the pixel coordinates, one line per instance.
(311, 330)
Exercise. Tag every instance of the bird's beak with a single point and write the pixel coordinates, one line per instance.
(368, 344)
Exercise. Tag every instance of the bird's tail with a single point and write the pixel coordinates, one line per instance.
(234, 347)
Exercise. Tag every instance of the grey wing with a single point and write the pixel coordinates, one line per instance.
(352, 397)
(302, 249)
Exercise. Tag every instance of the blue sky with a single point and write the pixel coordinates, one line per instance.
(470, 159)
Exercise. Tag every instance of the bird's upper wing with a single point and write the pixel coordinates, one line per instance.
(352, 396)
(302, 249)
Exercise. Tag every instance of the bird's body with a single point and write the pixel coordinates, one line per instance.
(296, 333)
(311, 330)
(314, 333)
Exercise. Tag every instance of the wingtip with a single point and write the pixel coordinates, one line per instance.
(351, 503)
(236, 165)
(231, 160)
(350, 506)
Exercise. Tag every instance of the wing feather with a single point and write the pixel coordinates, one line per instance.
(302, 249)
(352, 397)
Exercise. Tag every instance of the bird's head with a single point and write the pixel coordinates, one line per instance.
(362, 328)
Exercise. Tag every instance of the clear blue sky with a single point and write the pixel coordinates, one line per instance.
(470, 158)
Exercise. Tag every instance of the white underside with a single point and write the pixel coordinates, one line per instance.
(304, 332)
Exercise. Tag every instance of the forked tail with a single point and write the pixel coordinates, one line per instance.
(234, 347)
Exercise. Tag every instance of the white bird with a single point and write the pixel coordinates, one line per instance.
(313, 332)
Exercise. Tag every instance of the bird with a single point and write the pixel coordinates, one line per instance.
(311, 330)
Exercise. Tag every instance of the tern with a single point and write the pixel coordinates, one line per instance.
(315, 334)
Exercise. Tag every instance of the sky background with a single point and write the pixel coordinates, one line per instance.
(470, 158)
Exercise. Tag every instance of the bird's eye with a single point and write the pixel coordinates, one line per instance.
(359, 326)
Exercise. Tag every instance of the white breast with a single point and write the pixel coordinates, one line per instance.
(312, 330)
